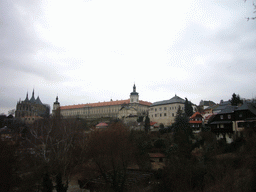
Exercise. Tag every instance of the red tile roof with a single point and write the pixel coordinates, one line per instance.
(195, 114)
(152, 123)
(102, 124)
(100, 104)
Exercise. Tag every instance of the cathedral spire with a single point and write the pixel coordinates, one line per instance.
(26, 97)
(134, 88)
(33, 100)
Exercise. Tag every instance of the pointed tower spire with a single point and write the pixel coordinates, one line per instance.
(134, 88)
(26, 100)
(32, 100)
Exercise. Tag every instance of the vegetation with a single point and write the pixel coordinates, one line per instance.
(235, 100)
(51, 151)
(112, 152)
(147, 124)
(188, 108)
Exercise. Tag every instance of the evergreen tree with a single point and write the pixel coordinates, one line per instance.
(188, 108)
(47, 183)
(182, 134)
(235, 100)
(147, 124)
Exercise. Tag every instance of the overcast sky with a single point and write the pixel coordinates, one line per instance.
(89, 51)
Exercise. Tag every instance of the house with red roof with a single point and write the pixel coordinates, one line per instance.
(196, 122)
(101, 125)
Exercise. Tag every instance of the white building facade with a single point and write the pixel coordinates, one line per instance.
(165, 111)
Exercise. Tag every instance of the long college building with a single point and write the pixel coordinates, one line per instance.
(104, 109)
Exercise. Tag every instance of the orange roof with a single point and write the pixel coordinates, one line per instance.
(101, 104)
(102, 124)
(152, 123)
(195, 114)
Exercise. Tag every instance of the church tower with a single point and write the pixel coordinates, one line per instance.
(56, 105)
(134, 96)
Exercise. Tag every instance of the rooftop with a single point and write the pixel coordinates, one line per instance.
(101, 104)
(175, 99)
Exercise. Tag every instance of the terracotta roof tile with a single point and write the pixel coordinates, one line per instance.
(100, 104)
(152, 123)
(195, 114)
(102, 124)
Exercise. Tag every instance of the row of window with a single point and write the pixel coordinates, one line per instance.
(92, 111)
(220, 126)
(229, 116)
(85, 112)
(162, 115)
(165, 108)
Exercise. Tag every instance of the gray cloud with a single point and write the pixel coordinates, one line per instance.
(210, 59)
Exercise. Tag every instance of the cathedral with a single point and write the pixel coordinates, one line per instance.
(31, 109)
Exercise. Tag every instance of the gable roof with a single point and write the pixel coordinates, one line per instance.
(228, 109)
(195, 114)
(175, 99)
(247, 106)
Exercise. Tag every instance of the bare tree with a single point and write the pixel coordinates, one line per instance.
(56, 143)
(112, 151)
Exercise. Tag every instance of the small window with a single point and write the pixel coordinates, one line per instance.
(160, 109)
(160, 114)
(155, 115)
(165, 114)
(173, 114)
(221, 117)
(221, 125)
(165, 108)
(155, 109)
(229, 116)
(240, 115)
